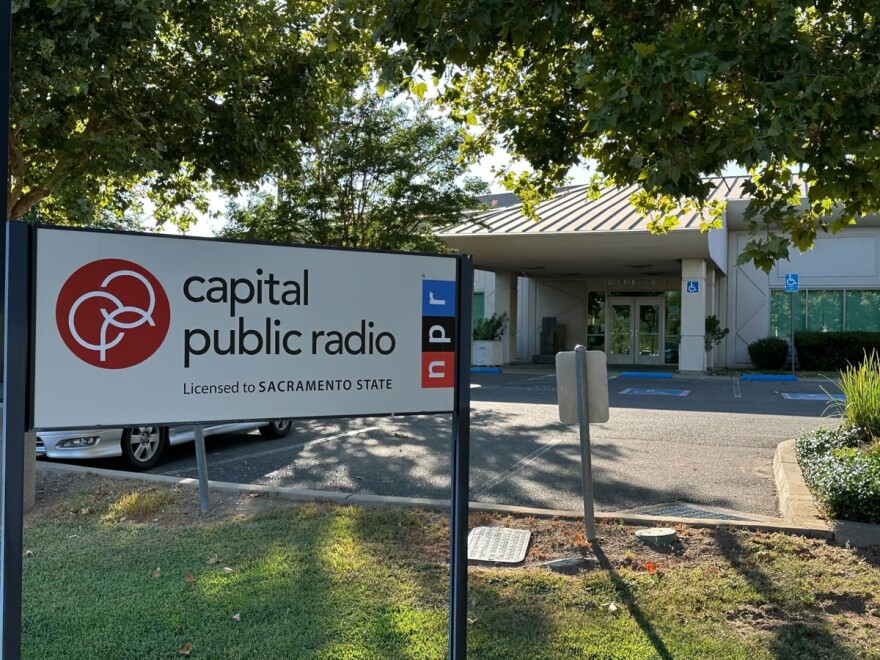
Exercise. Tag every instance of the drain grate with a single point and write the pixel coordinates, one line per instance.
(688, 511)
(498, 544)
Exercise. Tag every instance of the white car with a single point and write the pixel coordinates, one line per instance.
(141, 446)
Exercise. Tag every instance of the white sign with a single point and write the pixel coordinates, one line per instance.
(133, 329)
(596, 387)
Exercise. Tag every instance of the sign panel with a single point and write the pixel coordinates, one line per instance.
(693, 286)
(597, 387)
(134, 329)
(792, 283)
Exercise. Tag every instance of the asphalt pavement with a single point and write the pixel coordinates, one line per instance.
(712, 445)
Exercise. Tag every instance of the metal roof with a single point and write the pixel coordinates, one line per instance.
(571, 212)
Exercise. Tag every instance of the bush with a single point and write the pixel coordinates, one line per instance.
(491, 328)
(834, 351)
(861, 385)
(768, 353)
(842, 468)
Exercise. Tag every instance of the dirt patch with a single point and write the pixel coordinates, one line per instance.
(69, 494)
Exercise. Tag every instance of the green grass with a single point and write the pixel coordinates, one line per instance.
(321, 581)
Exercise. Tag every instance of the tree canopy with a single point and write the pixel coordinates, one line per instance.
(382, 174)
(114, 99)
(661, 94)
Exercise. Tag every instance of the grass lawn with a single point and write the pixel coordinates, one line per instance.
(125, 570)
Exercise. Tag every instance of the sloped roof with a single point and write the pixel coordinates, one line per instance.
(570, 212)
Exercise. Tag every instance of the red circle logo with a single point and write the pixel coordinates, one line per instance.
(112, 313)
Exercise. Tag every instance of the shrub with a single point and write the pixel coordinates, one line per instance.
(768, 353)
(490, 328)
(861, 385)
(834, 351)
(842, 468)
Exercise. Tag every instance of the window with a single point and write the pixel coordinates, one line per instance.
(479, 307)
(862, 310)
(673, 327)
(824, 310)
(596, 321)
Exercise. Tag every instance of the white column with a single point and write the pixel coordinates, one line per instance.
(692, 356)
(506, 301)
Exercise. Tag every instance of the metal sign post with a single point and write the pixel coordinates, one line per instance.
(792, 285)
(461, 435)
(201, 467)
(582, 389)
(584, 424)
(15, 423)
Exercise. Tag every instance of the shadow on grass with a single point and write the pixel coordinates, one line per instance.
(627, 596)
(798, 630)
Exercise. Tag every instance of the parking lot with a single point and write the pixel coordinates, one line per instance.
(704, 440)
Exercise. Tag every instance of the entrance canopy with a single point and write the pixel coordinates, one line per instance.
(578, 237)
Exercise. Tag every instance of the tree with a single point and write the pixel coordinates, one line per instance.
(662, 94)
(383, 175)
(115, 99)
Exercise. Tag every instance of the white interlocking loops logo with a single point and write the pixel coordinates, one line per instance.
(111, 318)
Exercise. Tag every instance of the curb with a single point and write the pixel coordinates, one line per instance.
(798, 507)
(379, 501)
(796, 503)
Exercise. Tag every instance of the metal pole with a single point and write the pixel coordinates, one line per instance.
(201, 466)
(584, 423)
(461, 434)
(791, 306)
(5, 76)
(15, 422)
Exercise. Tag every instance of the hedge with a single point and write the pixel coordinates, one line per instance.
(843, 471)
(768, 353)
(832, 351)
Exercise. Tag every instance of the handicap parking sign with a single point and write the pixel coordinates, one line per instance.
(693, 286)
(792, 283)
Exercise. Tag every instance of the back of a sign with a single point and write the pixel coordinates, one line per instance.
(597, 387)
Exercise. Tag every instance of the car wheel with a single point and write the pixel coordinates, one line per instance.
(277, 429)
(142, 446)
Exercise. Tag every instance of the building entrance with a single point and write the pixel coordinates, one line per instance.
(636, 333)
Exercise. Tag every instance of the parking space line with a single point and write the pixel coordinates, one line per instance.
(737, 392)
(516, 467)
(278, 450)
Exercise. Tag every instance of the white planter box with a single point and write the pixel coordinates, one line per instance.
(488, 353)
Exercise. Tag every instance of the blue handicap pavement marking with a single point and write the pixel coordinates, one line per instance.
(438, 298)
(799, 396)
(647, 374)
(660, 392)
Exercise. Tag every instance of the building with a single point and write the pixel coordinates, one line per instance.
(590, 272)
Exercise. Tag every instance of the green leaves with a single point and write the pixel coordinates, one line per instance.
(665, 94)
(383, 174)
(166, 96)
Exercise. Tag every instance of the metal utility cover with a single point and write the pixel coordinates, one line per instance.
(684, 510)
(498, 544)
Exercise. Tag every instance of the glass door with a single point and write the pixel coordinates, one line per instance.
(621, 331)
(649, 331)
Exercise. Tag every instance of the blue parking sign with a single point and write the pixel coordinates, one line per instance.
(693, 286)
(792, 283)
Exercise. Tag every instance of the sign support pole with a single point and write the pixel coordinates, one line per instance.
(15, 422)
(201, 467)
(584, 424)
(461, 432)
(791, 307)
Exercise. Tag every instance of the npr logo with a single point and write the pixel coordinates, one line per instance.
(438, 333)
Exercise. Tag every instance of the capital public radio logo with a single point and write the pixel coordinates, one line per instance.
(112, 313)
